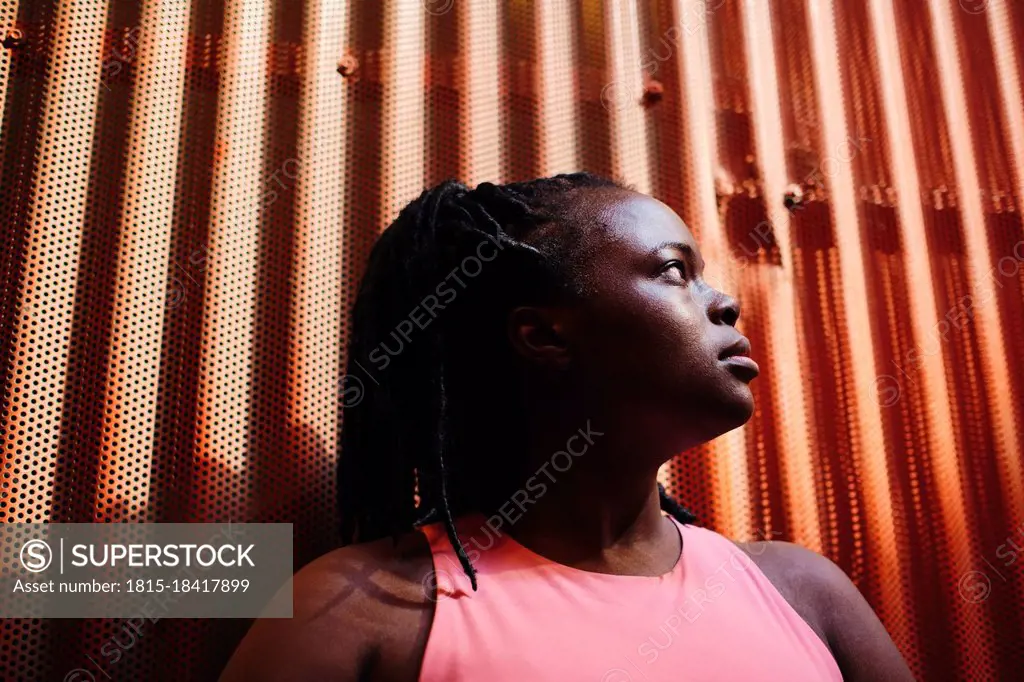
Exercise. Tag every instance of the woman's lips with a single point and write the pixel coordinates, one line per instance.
(742, 365)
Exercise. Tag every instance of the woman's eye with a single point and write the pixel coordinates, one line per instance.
(677, 267)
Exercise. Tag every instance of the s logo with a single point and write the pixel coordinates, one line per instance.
(36, 556)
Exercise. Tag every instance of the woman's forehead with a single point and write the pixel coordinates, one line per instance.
(640, 223)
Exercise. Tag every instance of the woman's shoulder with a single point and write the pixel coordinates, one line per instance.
(802, 576)
(823, 594)
(796, 573)
(360, 612)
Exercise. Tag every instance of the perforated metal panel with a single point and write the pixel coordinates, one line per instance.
(189, 190)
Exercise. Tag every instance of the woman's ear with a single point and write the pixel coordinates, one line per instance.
(539, 335)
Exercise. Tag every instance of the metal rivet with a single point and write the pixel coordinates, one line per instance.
(793, 199)
(653, 92)
(14, 38)
(348, 65)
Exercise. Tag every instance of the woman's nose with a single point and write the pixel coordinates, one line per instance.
(723, 309)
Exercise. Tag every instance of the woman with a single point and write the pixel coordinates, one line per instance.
(523, 360)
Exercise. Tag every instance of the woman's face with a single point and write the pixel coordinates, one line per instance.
(654, 339)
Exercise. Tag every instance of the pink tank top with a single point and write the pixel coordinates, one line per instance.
(714, 616)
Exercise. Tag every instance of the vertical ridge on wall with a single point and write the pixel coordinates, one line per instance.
(959, 328)
(315, 324)
(402, 112)
(924, 316)
(42, 328)
(900, 331)
(1010, 77)
(480, 96)
(816, 286)
(980, 264)
(519, 75)
(868, 437)
(8, 17)
(46, 379)
(727, 454)
(627, 132)
(1001, 187)
(222, 438)
(784, 354)
(750, 248)
(146, 221)
(990, 223)
(557, 92)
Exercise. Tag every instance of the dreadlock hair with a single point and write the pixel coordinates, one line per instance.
(439, 404)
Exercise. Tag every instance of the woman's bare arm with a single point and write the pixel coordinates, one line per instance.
(360, 614)
(863, 648)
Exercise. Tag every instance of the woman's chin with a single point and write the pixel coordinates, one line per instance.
(744, 399)
(736, 408)
(745, 410)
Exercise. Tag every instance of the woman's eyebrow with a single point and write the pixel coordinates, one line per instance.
(682, 247)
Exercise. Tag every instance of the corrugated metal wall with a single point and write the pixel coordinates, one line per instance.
(190, 188)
